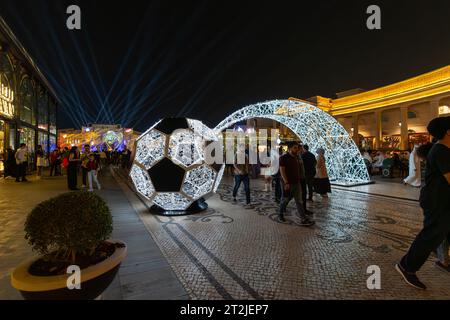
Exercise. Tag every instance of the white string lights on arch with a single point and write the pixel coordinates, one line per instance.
(170, 169)
(314, 127)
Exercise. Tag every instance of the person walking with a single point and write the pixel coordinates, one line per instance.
(322, 182)
(443, 261)
(72, 168)
(277, 175)
(303, 179)
(93, 167)
(415, 176)
(241, 175)
(435, 203)
(65, 160)
(10, 164)
(84, 161)
(310, 163)
(266, 172)
(21, 157)
(290, 169)
(39, 161)
(54, 156)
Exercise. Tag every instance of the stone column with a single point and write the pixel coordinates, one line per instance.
(355, 132)
(274, 124)
(434, 109)
(378, 129)
(404, 128)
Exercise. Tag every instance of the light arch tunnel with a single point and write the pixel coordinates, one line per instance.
(314, 127)
(159, 156)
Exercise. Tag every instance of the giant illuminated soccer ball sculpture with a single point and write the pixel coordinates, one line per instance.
(169, 168)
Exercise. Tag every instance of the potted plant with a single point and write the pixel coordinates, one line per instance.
(69, 231)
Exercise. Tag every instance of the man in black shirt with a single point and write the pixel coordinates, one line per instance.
(290, 169)
(435, 202)
(309, 160)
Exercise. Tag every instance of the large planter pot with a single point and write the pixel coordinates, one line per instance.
(94, 280)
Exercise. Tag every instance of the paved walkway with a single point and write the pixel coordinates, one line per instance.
(229, 252)
(16, 201)
(393, 188)
(144, 274)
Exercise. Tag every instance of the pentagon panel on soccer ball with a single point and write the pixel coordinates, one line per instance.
(169, 125)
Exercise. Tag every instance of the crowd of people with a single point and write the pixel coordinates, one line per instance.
(64, 162)
(407, 164)
(300, 174)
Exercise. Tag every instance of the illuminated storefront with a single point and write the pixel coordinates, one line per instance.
(28, 104)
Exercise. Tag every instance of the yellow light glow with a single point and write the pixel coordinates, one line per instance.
(444, 110)
(6, 101)
(423, 86)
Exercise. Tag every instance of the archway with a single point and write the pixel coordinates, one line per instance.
(314, 127)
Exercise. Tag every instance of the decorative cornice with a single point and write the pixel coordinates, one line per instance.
(422, 86)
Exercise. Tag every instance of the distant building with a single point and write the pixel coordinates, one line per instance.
(28, 103)
(99, 137)
(393, 117)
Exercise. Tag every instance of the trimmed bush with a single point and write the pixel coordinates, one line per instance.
(71, 223)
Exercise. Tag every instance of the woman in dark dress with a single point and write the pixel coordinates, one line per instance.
(322, 182)
(10, 163)
(72, 169)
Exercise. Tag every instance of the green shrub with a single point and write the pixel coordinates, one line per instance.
(71, 223)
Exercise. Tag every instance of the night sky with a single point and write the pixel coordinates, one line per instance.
(135, 62)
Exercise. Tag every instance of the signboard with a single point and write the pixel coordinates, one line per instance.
(6, 101)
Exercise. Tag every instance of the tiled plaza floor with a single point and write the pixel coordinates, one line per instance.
(16, 201)
(232, 252)
(229, 252)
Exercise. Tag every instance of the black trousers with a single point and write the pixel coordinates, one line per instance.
(278, 191)
(303, 183)
(21, 171)
(84, 172)
(310, 184)
(237, 183)
(435, 230)
(72, 177)
(53, 168)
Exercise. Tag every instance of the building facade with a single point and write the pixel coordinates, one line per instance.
(104, 137)
(393, 117)
(28, 104)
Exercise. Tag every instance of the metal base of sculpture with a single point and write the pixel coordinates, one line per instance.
(198, 206)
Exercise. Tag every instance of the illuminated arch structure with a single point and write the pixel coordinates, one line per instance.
(316, 128)
(176, 181)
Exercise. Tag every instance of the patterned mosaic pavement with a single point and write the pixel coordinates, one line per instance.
(230, 252)
(16, 201)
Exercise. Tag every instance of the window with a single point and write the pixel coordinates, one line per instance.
(6, 93)
(43, 110)
(52, 143)
(52, 117)
(43, 141)
(412, 115)
(27, 113)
